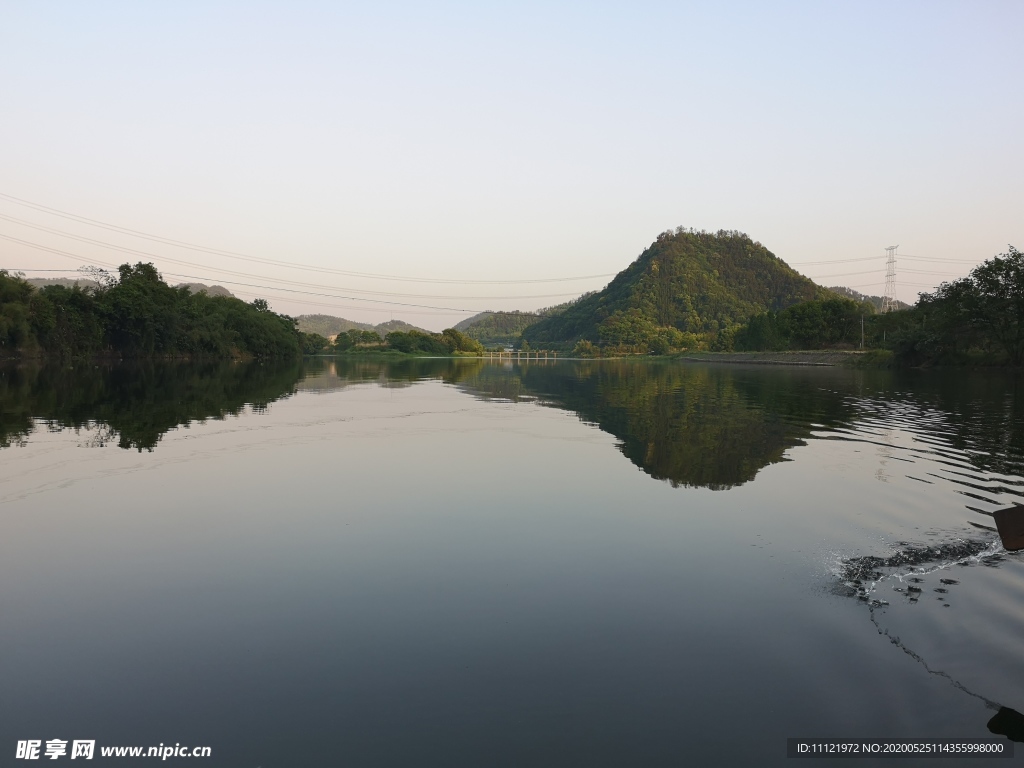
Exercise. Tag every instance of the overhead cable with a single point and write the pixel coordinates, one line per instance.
(275, 262)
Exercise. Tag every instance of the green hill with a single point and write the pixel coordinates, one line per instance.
(683, 291)
(329, 325)
(490, 328)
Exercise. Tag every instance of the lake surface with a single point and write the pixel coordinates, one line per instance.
(451, 562)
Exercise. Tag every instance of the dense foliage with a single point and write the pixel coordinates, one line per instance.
(412, 342)
(688, 288)
(352, 339)
(448, 342)
(136, 314)
(821, 324)
(976, 319)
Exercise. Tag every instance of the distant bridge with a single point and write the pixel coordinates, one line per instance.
(519, 355)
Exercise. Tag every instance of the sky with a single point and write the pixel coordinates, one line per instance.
(425, 161)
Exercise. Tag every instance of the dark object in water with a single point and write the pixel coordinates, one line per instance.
(1009, 723)
(1010, 525)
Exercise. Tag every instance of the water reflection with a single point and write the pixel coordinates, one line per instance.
(696, 426)
(441, 607)
(134, 405)
(700, 426)
(690, 425)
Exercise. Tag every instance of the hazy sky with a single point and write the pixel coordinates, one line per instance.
(506, 142)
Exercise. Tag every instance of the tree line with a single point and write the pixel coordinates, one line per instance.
(977, 319)
(135, 314)
(411, 342)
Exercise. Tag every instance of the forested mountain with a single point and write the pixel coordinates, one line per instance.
(686, 288)
(329, 325)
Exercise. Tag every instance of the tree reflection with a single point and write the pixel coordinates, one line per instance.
(709, 426)
(135, 405)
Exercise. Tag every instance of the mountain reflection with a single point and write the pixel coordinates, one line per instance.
(695, 425)
(701, 426)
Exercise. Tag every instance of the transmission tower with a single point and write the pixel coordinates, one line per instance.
(889, 300)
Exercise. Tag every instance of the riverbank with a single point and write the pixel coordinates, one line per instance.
(816, 357)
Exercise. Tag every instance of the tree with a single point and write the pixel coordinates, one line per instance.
(312, 343)
(15, 295)
(457, 341)
(977, 318)
(993, 299)
(342, 342)
(415, 341)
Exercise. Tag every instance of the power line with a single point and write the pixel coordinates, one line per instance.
(880, 258)
(848, 274)
(262, 260)
(873, 285)
(271, 288)
(248, 275)
(147, 254)
(835, 261)
(935, 258)
(344, 307)
(304, 302)
(931, 272)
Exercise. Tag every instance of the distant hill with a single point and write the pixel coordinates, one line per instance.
(875, 301)
(70, 282)
(686, 282)
(211, 290)
(329, 325)
(383, 329)
(490, 328)
(67, 282)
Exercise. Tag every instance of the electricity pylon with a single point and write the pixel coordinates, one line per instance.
(889, 303)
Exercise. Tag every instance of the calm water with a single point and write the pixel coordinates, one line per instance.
(457, 563)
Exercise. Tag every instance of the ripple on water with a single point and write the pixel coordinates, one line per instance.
(951, 603)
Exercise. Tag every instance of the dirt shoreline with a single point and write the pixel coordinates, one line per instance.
(830, 357)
